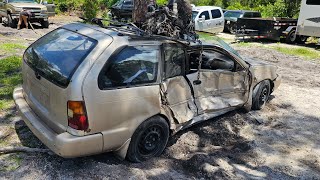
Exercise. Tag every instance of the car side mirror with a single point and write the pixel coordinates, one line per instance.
(197, 82)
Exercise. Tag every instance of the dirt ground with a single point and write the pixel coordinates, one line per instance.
(280, 142)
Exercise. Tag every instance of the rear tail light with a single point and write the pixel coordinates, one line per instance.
(77, 115)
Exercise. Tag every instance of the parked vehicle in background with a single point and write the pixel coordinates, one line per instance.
(122, 9)
(10, 11)
(269, 28)
(208, 19)
(231, 17)
(89, 89)
(309, 18)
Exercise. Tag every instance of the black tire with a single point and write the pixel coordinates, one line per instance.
(301, 39)
(149, 139)
(45, 24)
(11, 23)
(233, 29)
(0, 19)
(261, 95)
(291, 37)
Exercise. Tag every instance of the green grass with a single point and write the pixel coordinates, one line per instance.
(11, 47)
(10, 77)
(12, 162)
(204, 36)
(301, 52)
(244, 44)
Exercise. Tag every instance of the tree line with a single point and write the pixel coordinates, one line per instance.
(268, 8)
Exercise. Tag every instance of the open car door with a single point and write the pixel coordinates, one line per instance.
(175, 88)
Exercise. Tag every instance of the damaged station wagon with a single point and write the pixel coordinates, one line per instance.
(88, 90)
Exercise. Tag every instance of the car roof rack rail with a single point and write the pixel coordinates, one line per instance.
(132, 28)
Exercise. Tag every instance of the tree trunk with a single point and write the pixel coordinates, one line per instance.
(140, 10)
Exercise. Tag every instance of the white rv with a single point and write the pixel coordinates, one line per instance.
(309, 18)
(208, 19)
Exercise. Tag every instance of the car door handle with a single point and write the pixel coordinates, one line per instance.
(197, 82)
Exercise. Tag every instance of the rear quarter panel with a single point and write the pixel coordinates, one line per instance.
(116, 113)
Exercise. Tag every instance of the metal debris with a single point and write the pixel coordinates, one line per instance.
(172, 21)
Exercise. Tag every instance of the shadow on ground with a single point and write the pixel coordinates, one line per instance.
(212, 149)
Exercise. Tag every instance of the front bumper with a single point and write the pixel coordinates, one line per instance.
(277, 82)
(64, 144)
(34, 18)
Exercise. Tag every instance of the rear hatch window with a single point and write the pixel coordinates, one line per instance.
(57, 55)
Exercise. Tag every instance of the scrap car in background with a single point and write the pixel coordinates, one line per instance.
(122, 9)
(88, 89)
(10, 11)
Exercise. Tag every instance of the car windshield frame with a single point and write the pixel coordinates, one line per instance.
(194, 15)
(56, 74)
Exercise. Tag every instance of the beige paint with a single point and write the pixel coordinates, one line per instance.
(115, 114)
(219, 89)
(178, 97)
(64, 144)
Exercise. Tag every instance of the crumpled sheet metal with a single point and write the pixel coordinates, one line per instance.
(179, 98)
(219, 90)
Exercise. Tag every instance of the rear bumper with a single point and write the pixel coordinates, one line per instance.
(64, 144)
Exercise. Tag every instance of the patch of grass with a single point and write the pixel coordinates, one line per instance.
(11, 47)
(204, 36)
(301, 52)
(10, 77)
(10, 162)
(244, 44)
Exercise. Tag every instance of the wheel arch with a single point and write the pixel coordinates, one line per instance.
(256, 86)
(123, 150)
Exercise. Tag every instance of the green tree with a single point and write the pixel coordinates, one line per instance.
(91, 9)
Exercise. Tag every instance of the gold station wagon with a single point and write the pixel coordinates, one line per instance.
(88, 90)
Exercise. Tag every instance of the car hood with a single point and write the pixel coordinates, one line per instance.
(256, 62)
(28, 5)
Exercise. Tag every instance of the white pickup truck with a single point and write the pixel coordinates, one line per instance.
(208, 19)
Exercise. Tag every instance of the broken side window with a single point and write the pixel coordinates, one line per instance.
(215, 60)
(174, 61)
(131, 66)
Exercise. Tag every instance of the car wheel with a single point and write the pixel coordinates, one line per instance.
(301, 39)
(232, 29)
(45, 24)
(149, 139)
(11, 23)
(291, 38)
(261, 95)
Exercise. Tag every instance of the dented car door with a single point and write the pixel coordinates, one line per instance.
(175, 88)
(223, 83)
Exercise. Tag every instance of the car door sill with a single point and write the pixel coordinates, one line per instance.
(204, 117)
